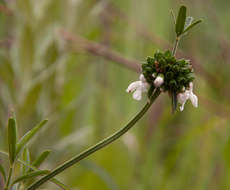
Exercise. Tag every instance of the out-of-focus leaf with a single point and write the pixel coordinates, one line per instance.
(6, 71)
(12, 139)
(26, 159)
(51, 53)
(26, 9)
(181, 20)
(2, 171)
(29, 135)
(26, 49)
(60, 184)
(102, 173)
(173, 16)
(30, 175)
(31, 99)
(41, 158)
(192, 25)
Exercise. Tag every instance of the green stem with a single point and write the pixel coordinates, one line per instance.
(97, 146)
(174, 98)
(175, 46)
(9, 178)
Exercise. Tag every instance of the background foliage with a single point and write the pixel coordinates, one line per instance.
(44, 73)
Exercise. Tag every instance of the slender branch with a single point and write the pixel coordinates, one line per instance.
(4, 9)
(100, 50)
(98, 146)
(9, 178)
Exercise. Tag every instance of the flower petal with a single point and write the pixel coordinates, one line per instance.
(133, 86)
(137, 95)
(183, 97)
(194, 100)
(191, 87)
(182, 107)
(144, 87)
(142, 78)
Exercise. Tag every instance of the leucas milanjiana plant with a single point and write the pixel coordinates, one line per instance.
(161, 73)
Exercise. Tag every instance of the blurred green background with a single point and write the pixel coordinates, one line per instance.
(47, 70)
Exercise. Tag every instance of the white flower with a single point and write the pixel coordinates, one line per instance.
(138, 87)
(159, 80)
(187, 94)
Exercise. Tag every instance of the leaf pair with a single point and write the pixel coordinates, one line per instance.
(38, 161)
(14, 147)
(29, 135)
(30, 175)
(183, 23)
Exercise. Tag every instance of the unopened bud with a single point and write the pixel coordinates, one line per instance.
(154, 75)
(159, 81)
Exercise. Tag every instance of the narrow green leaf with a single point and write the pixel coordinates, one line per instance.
(53, 180)
(101, 173)
(30, 175)
(12, 139)
(26, 159)
(29, 135)
(180, 20)
(174, 102)
(41, 158)
(192, 25)
(2, 171)
(173, 16)
(188, 21)
(60, 184)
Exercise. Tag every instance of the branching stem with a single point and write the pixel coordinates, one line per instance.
(9, 178)
(97, 146)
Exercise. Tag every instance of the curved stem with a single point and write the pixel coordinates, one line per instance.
(9, 178)
(97, 146)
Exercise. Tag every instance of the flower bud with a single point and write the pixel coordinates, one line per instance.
(159, 80)
(154, 75)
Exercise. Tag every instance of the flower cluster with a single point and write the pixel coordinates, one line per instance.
(164, 71)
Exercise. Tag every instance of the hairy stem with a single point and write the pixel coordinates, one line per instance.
(9, 178)
(174, 97)
(175, 46)
(97, 146)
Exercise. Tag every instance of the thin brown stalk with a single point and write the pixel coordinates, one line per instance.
(100, 50)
